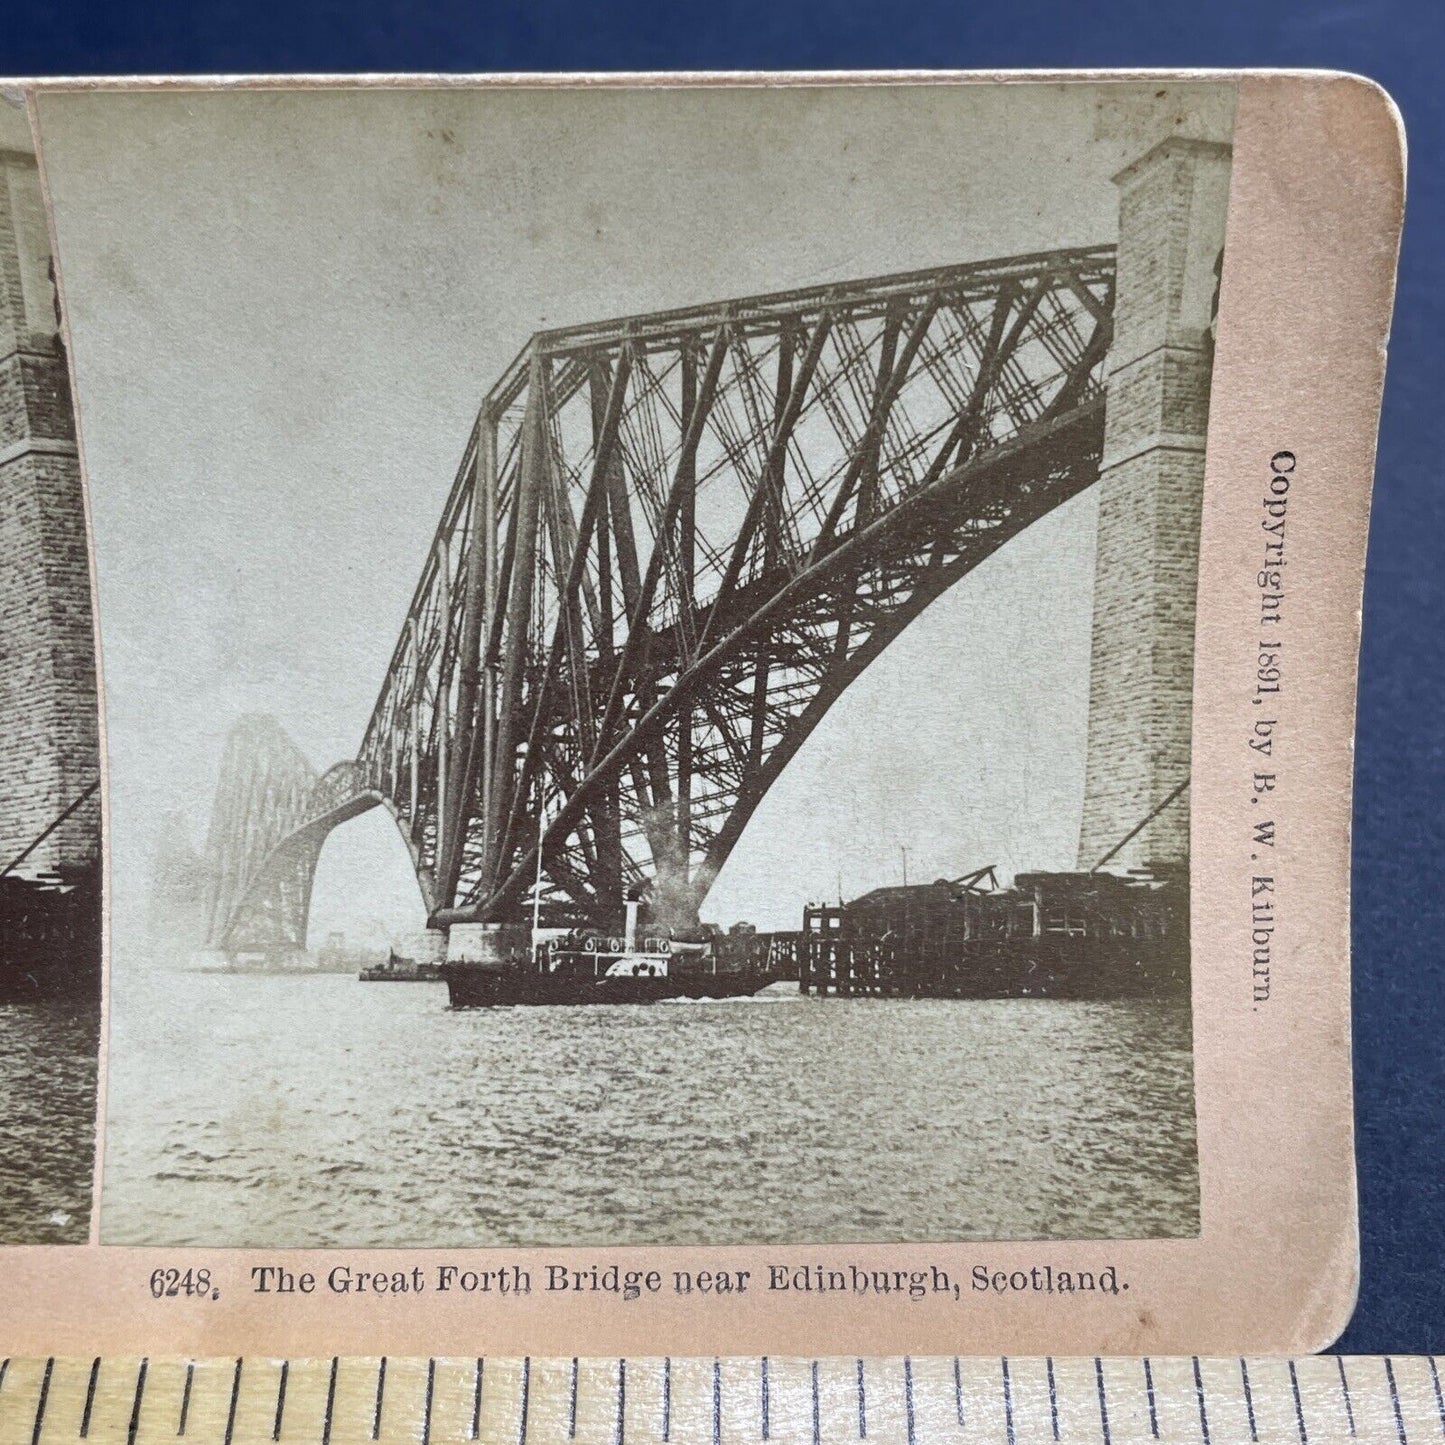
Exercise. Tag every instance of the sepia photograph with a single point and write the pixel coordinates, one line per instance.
(648, 638)
(50, 811)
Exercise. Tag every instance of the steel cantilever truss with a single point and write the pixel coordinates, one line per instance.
(676, 539)
(672, 543)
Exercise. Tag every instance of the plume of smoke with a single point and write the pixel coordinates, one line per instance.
(673, 895)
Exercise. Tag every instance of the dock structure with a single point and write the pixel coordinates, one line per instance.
(834, 959)
(1051, 935)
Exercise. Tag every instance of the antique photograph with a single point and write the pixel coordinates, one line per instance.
(648, 638)
(50, 859)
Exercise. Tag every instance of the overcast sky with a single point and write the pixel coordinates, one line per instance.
(286, 306)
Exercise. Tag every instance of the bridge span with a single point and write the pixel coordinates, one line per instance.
(675, 539)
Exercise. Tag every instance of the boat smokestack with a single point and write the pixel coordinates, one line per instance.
(630, 932)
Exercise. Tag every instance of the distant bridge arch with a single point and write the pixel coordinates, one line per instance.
(272, 802)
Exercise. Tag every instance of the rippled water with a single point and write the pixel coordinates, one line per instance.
(306, 1110)
(47, 1121)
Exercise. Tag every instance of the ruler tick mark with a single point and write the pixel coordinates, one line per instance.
(1103, 1403)
(817, 1433)
(1345, 1391)
(526, 1386)
(477, 1400)
(89, 1397)
(1299, 1405)
(186, 1397)
(330, 1405)
(572, 1407)
(666, 1397)
(1199, 1395)
(1008, 1402)
(862, 1406)
(431, 1375)
(716, 1401)
(140, 1389)
(235, 1396)
(1435, 1380)
(1149, 1395)
(908, 1393)
(765, 1396)
(621, 1402)
(958, 1390)
(1249, 1401)
(1053, 1397)
(380, 1396)
(1395, 1400)
(40, 1406)
(281, 1400)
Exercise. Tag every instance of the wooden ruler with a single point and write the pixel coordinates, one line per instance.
(1015, 1401)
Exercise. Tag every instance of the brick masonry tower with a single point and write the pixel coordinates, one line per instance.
(49, 747)
(1172, 204)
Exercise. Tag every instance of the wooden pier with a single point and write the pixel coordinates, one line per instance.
(1051, 935)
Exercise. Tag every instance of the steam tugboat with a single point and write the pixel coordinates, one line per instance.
(582, 966)
(398, 969)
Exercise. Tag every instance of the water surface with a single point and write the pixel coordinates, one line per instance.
(47, 1121)
(316, 1110)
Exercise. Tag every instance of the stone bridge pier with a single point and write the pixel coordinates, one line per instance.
(49, 725)
(1172, 204)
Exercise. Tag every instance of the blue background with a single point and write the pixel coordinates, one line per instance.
(1400, 786)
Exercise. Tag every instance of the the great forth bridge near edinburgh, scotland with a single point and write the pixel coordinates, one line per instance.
(675, 539)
